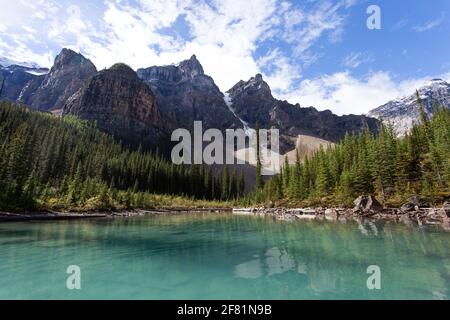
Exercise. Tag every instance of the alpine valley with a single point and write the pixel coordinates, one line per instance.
(102, 139)
(145, 106)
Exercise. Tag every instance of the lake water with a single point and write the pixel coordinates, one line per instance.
(221, 256)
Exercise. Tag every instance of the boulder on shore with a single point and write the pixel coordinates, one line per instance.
(411, 204)
(367, 204)
(446, 208)
(331, 214)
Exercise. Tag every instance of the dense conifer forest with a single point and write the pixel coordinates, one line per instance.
(51, 162)
(47, 162)
(390, 168)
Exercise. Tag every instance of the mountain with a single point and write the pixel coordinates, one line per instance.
(17, 82)
(67, 75)
(121, 104)
(46, 89)
(177, 96)
(185, 93)
(5, 62)
(253, 102)
(403, 112)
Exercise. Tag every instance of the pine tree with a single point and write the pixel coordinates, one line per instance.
(241, 184)
(234, 185)
(259, 180)
(225, 195)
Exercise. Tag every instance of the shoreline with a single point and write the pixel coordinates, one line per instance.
(53, 216)
(439, 216)
(421, 216)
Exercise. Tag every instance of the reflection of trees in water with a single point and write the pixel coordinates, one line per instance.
(304, 259)
(334, 257)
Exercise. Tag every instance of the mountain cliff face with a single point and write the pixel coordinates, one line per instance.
(140, 107)
(186, 93)
(253, 103)
(46, 90)
(67, 75)
(403, 112)
(17, 82)
(121, 104)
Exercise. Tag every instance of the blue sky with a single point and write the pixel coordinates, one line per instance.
(312, 52)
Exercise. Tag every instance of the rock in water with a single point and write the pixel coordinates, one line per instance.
(121, 104)
(367, 204)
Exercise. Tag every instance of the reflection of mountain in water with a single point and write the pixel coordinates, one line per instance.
(275, 261)
(328, 259)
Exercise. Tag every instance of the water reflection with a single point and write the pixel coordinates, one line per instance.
(221, 256)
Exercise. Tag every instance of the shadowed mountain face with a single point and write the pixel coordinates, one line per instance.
(67, 75)
(403, 112)
(144, 107)
(18, 83)
(45, 90)
(253, 103)
(186, 93)
(121, 104)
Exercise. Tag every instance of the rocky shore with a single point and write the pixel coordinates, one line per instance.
(366, 207)
(37, 216)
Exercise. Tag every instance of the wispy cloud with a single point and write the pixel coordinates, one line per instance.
(355, 59)
(233, 40)
(400, 24)
(324, 17)
(224, 31)
(430, 24)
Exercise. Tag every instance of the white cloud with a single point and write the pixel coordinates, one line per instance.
(324, 18)
(280, 72)
(343, 93)
(430, 24)
(224, 34)
(355, 59)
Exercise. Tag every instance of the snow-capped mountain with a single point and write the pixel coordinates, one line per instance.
(403, 112)
(5, 62)
(45, 89)
(183, 93)
(28, 67)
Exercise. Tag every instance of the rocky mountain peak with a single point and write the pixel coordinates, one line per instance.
(121, 104)
(191, 67)
(68, 57)
(187, 94)
(404, 112)
(256, 86)
(124, 70)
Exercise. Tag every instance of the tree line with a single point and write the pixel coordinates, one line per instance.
(47, 160)
(379, 164)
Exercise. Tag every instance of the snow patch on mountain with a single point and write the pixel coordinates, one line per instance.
(403, 112)
(228, 101)
(5, 62)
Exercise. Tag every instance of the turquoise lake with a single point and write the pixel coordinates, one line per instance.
(222, 256)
